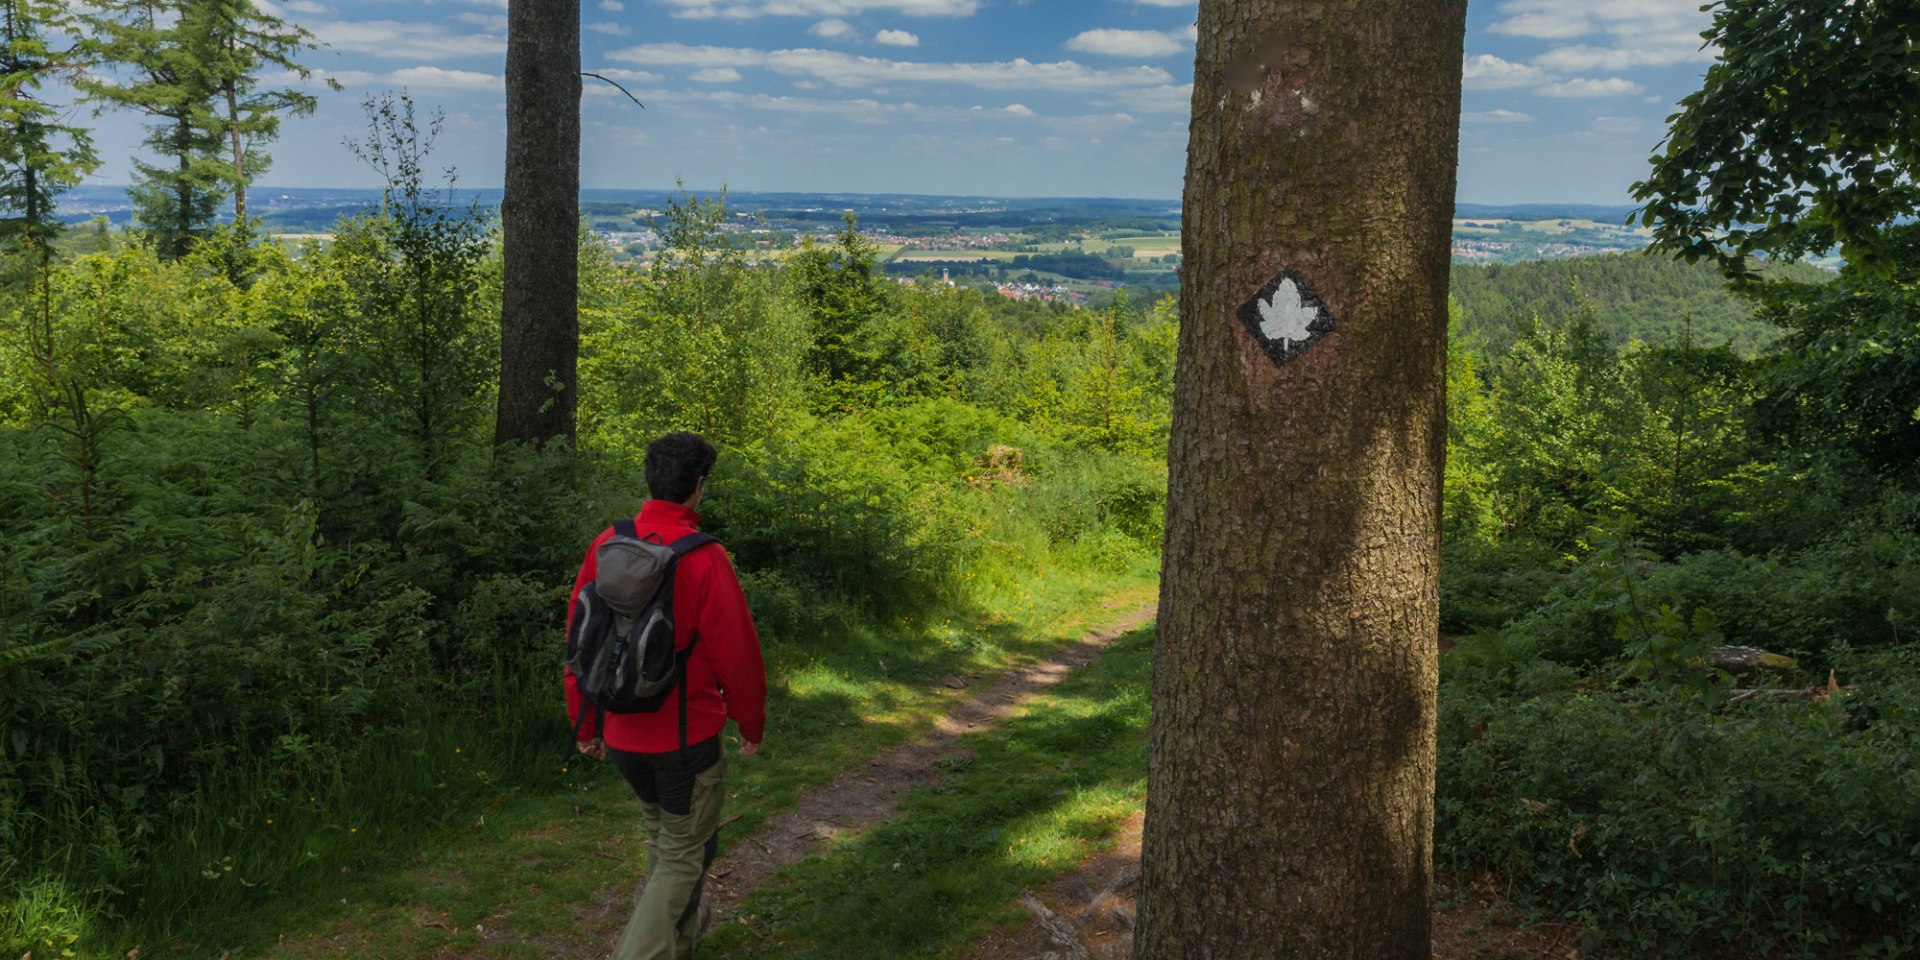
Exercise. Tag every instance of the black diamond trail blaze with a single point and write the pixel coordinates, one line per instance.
(1286, 317)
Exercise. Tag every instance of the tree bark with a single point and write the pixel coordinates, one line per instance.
(1291, 753)
(239, 155)
(539, 315)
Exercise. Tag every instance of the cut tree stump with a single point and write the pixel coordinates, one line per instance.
(1746, 660)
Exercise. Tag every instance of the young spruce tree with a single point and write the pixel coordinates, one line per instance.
(237, 39)
(40, 157)
(158, 63)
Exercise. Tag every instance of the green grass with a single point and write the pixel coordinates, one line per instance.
(479, 834)
(1029, 800)
(1153, 246)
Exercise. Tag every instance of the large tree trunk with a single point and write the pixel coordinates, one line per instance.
(539, 316)
(1290, 775)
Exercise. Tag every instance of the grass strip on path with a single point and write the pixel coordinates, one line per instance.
(1022, 801)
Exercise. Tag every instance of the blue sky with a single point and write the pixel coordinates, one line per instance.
(1564, 99)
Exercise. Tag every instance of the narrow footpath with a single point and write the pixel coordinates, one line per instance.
(861, 798)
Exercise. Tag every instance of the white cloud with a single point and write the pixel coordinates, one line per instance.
(608, 29)
(1582, 57)
(1640, 32)
(832, 29)
(1129, 43)
(1488, 72)
(1018, 109)
(436, 78)
(847, 70)
(1545, 25)
(308, 7)
(717, 75)
(896, 38)
(413, 41)
(1496, 116)
(1582, 87)
(495, 22)
(1166, 98)
(749, 9)
(627, 76)
(612, 6)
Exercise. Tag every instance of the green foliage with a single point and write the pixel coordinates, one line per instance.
(234, 40)
(259, 560)
(1669, 824)
(1612, 514)
(1846, 379)
(40, 157)
(1804, 135)
(836, 289)
(1643, 297)
(157, 65)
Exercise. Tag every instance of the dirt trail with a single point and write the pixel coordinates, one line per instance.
(861, 797)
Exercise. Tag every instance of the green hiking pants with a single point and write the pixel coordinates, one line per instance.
(666, 921)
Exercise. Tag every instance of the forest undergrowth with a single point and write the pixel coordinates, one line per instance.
(276, 619)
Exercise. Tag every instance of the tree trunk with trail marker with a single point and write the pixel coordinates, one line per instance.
(540, 214)
(1291, 760)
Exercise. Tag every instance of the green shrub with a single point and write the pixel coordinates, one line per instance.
(1671, 824)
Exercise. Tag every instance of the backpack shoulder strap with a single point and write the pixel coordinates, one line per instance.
(689, 543)
(624, 527)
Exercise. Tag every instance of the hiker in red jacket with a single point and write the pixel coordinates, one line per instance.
(679, 783)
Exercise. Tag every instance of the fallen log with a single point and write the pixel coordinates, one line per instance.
(1746, 660)
(1815, 694)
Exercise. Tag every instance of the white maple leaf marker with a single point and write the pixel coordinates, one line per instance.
(1284, 318)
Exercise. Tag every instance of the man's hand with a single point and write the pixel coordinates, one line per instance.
(593, 748)
(748, 749)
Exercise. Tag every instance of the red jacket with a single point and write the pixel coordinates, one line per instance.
(725, 675)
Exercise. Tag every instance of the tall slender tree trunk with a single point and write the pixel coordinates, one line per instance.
(1291, 764)
(539, 315)
(184, 133)
(239, 156)
(30, 176)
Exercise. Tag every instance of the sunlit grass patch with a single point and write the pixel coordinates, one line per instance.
(1029, 799)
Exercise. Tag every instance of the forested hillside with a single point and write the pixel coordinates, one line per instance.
(263, 576)
(1650, 298)
(265, 579)
(276, 614)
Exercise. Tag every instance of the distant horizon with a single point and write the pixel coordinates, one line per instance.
(258, 188)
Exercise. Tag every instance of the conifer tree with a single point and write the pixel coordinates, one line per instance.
(836, 286)
(40, 157)
(157, 64)
(236, 39)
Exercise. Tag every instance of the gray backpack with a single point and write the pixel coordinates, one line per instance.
(620, 648)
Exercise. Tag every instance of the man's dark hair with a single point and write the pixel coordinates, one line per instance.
(675, 464)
